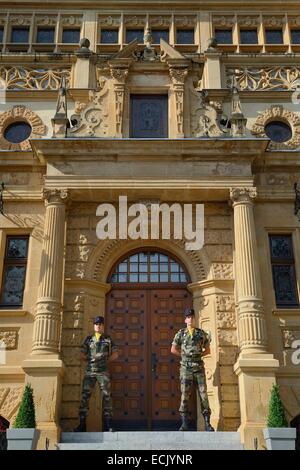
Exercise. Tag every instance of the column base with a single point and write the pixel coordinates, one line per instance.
(256, 374)
(45, 376)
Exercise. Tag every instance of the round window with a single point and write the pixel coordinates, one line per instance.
(17, 132)
(278, 131)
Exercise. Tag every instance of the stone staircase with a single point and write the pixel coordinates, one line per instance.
(150, 440)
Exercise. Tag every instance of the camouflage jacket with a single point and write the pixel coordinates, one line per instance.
(98, 352)
(191, 347)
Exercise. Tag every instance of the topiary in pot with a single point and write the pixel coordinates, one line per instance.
(276, 416)
(278, 435)
(26, 414)
(23, 435)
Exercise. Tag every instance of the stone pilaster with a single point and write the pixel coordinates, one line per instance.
(255, 367)
(119, 76)
(178, 76)
(47, 324)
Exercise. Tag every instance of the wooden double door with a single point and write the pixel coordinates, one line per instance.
(145, 378)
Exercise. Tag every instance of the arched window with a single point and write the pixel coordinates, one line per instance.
(149, 266)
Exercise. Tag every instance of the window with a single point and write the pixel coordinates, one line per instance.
(149, 267)
(149, 116)
(283, 270)
(1, 34)
(274, 36)
(248, 36)
(295, 36)
(158, 34)
(185, 36)
(71, 36)
(45, 35)
(17, 132)
(20, 35)
(132, 34)
(14, 271)
(278, 131)
(223, 36)
(109, 36)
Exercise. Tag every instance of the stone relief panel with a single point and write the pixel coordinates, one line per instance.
(10, 338)
(19, 77)
(264, 78)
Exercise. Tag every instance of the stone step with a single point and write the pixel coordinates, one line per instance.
(147, 440)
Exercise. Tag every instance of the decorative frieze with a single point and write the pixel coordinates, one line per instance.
(46, 20)
(72, 20)
(274, 21)
(135, 21)
(109, 21)
(222, 270)
(20, 20)
(248, 21)
(185, 21)
(160, 21)
(263, 78)
(223, 21)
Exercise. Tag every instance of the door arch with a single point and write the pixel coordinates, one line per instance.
(144, 309)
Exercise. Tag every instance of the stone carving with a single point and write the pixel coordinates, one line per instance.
(148, 54)
(248, 21)
(55, 195)
(289, 336)
(295, 21)
(278, 112)
(19, 77)
(223, 21)
(161, 21)
(20, 113)
(266, 78)
(243, 194)
(185, 21)
(109, 20)
(46, 20)
(135, 21)
(222, 271)
(10, 338)
(205, 115)
(92, 120)
(15, 178)
(10, 398)
(119, 76)
(178, 76)
(273, 21)
(72, 20)
(20, 20)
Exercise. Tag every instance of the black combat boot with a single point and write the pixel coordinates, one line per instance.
(82, 424)
(208, 426)
(107, 424)
(184, 423)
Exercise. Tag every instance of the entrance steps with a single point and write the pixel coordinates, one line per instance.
(150, 440)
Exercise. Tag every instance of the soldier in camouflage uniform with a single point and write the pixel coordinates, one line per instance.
(97, 350)
(191, 344)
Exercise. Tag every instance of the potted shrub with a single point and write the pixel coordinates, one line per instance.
(23, 435)
(278, 435)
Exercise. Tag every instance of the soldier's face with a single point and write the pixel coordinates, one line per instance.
(98, 327)
(190, 321)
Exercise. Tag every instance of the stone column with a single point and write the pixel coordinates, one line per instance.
(255, 367)
(47, 324)
(44, 368)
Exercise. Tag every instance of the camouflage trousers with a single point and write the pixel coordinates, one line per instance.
(189, 376)
(89, 381)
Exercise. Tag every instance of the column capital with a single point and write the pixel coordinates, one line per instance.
(178, 74)
(242, 195)
(55, 196)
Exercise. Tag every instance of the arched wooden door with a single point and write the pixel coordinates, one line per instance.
(144, 310)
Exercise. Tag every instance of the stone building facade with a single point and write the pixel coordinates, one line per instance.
(170, 105)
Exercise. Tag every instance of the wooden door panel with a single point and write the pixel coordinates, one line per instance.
(125, 322)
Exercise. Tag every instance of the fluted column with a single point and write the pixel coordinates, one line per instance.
(47, 324)
(252, 325)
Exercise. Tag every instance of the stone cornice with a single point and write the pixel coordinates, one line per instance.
(213, 149)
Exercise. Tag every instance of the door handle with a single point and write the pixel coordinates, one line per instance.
(153, 362)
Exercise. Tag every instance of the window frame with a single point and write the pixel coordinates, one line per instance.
(13, 262)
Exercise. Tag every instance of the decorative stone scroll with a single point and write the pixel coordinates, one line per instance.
(20, 113)
(19, 77)
(264, 78)
(205, 115)
(278, 113)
